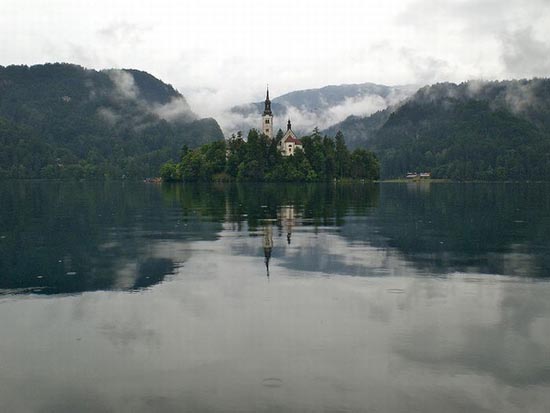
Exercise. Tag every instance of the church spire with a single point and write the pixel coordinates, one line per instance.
(267, 107)
(288, 125)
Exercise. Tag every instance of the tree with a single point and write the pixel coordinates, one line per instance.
(258, 159)
(342, 156)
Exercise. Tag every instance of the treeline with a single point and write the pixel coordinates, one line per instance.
(258, 159)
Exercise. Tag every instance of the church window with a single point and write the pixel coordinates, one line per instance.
(267, 121)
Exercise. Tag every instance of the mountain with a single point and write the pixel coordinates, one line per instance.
(61, 120)
(319, 107)
(474, 130)
(358, 129)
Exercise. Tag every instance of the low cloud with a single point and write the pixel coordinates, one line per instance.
(125, 88)
(175, 110)
(305, 119)
(108, 115)
(520, 96)
(125, 85)
(525, 55)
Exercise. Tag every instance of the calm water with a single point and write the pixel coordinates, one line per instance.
(404, 298)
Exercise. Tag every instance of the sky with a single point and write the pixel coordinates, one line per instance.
(222, 53)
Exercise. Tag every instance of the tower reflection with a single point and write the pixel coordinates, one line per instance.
(268, 244)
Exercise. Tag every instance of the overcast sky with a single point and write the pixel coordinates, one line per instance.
(219, 53)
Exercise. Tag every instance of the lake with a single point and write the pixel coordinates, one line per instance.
(135, 297)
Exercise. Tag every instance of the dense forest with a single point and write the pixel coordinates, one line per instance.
(471, 131)
(258, 159)
(61, 120)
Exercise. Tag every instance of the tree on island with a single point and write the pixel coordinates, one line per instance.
(258, 158)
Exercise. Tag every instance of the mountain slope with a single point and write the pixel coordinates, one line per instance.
(61, 120)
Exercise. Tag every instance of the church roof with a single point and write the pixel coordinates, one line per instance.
(267, 103)
(292, 138)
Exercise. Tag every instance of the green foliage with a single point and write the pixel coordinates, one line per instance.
(170, 172)
(64, 121)
(471, 131)
(258, 159)
(202, 163)
(463, 141)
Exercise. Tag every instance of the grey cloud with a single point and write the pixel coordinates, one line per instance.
(478, 16)
(123, 32)
(509, 39)
(426, 69)
(524, 55)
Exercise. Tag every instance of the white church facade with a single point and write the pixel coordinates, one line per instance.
(289, 142)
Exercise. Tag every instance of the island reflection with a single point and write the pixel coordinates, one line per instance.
(75, 236)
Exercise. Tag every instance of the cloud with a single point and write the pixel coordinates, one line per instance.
(305, 120)
(123, 32)
(524, 55)
(125, 85)
(217, 56)
(322, 115)
(482, 38)
(233, 122)
(125, 88)
(426, 69)
(176, 109)
(108, 115)
(520, 96)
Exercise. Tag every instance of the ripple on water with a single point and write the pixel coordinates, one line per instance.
(273, 382)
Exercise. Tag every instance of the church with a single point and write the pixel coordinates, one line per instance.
(290, 142)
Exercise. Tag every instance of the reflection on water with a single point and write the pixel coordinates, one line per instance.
(135, 297)
(72, 237)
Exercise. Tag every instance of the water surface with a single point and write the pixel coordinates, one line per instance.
(138, 297)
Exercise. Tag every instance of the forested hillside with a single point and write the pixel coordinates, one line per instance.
(62, 120)
(475, 130)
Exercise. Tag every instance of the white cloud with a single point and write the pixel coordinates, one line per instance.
(125, 86)
(176, 109)
(108, 115)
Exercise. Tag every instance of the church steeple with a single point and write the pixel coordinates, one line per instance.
(288, 125)
(267, 107)
(267, 118)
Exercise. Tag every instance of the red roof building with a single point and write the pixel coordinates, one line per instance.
(289, 143)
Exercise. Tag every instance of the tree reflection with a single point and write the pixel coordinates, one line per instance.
(67, 237)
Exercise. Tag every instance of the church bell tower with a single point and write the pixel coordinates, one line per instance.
(267, 118)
